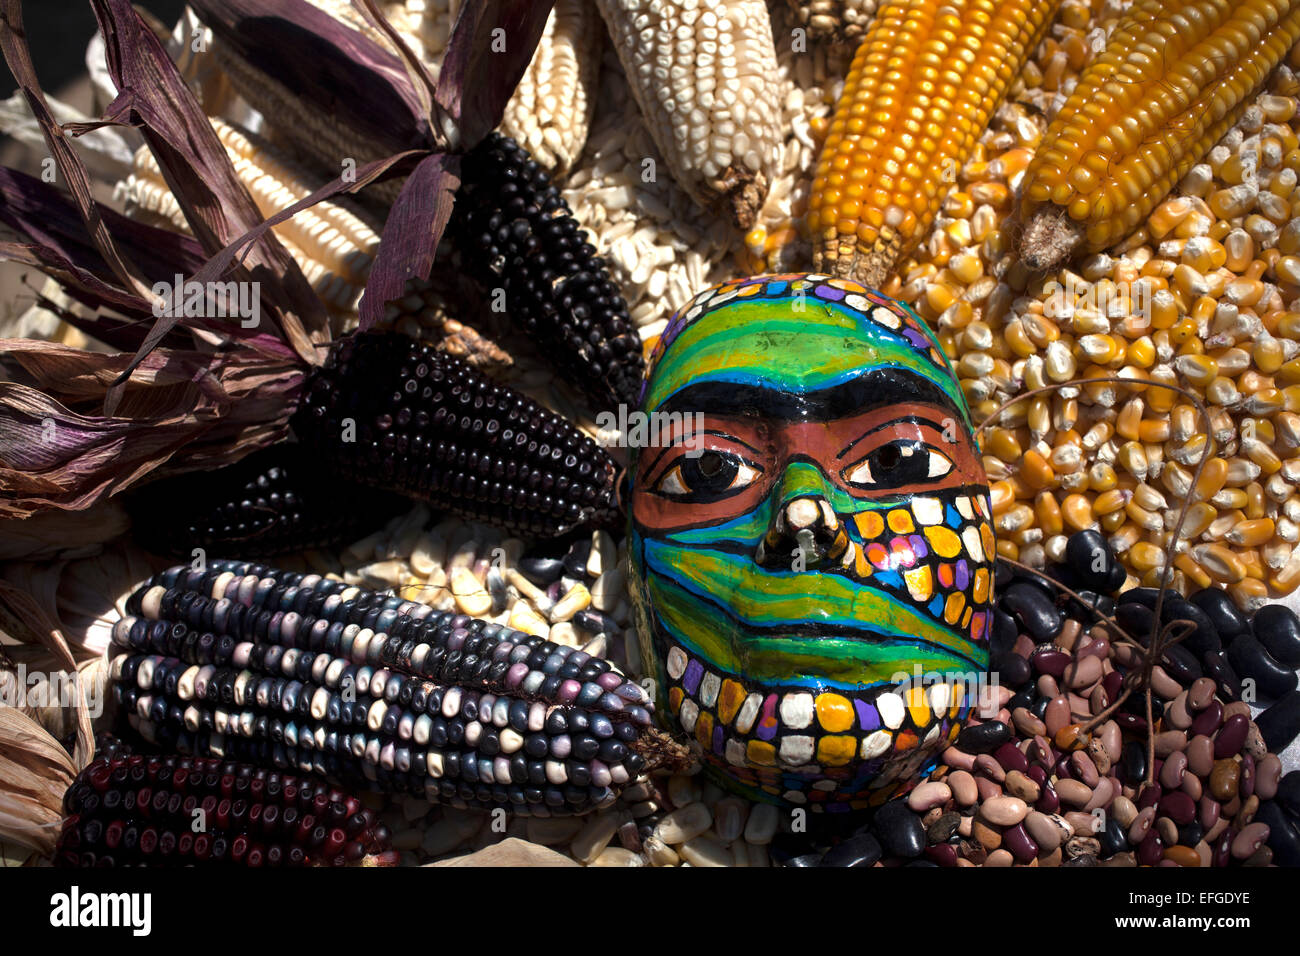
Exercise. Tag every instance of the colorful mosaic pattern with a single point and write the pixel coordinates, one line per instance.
(819, 534)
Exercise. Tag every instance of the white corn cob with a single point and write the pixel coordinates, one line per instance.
(333, 247)
(840, 21)
(550, 111)
(704, 75)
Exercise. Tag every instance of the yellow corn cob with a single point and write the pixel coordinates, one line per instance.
(840, 21)
(923, 85)
(333, 247)
(550, 111)
(1173, 79)
(705, 76)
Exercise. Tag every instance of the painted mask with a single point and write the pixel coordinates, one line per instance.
(810, 540)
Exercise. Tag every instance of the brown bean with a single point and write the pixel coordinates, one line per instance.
(1112, 740)
(952, 757)
(1208, 811)
(988, 835)
(1102, 795)
(1057, 715)
(999, 858)
(1172, 770)
(1163, 684)
(1249, 807)
(1047, 686)
(1044, 830)
(1004, 811)
(1216, 831)
(1068, 635)
(1182, 855)
(1170, 741)
(1124, 810)
(1250, 839)
(1084, 768)
(1200, 693)
(963, 788)
(1097, 754)
(1200, 755)
(1126, 654)
(1073, 792)
(1235, 708)
(1254, 744)
(1204, 852)
(1081, 823)
(987, 788)
(928, 795)
(1224, 779)
(1168, 830)
(1268, 774)
(1082, 673)
(1018, 785)
(1098, 700)
(965, 827)
(987, 766)
(1176, 714)
(1192, 786)
(1137, 830)
(1052, 858)
(1027, 723)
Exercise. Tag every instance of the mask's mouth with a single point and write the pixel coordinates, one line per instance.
(819, 742)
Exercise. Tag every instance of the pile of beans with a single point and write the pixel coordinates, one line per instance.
(1040, 785)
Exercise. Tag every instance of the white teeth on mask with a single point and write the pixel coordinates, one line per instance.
(797, 710)
(927, 510)
(676, 663)
(964, 507)
(850, 555)
(876, 744)
(891, 710)
(940, 697)
(828, 515)
(796, 750)
(748, 713)
(971, 538)
(689, 713)
(709, 688)
(735, 753)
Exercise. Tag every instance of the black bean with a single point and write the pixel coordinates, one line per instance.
(1013, 670)
(1133, 763)
(541, 571)
(1181, 664)
(1205, 638)
(1136, 619)
(1004, 634)
(1283, 833)
(1090, 557)
(1288, 793)
(899, 829)
(1280, 723)
(1113, 837)
(1223, 611)
(1278, 629)
(1220, 669)
(861, 850)
(983, 738)
(1249, 658)
(1036, 611)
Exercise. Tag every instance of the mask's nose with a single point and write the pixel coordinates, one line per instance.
(805, 531)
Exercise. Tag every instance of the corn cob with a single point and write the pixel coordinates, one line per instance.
(550, 111)
(297, 671)
(273, 501)
(317, 139)
(391, 413)
(332, 245)
(1173, 79)
(517, 236)
(125, 810)
(840, 21)
(704, 75)
(923, 85)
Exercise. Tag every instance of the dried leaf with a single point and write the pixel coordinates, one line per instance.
(415, 224)
(482, 67)
(154, 96)
(36, 771)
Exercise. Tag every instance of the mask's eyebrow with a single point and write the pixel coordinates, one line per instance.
(874, 388)
(911, 419)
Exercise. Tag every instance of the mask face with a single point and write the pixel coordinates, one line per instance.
(810, 540)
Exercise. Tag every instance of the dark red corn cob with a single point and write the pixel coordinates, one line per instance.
(392, 413)
(182, 810)
(274, 501)
(293, 671)
(515, 232)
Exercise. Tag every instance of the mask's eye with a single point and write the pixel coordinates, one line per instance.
(710, 477)
(897, 464)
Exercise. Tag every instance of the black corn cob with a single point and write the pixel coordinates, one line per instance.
(516, 233)
(397, 414)
(273, 501)
(142, 810)
(289, 670)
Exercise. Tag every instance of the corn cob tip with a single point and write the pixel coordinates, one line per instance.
(661, 752)
(746, 191)
(1049, 239)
